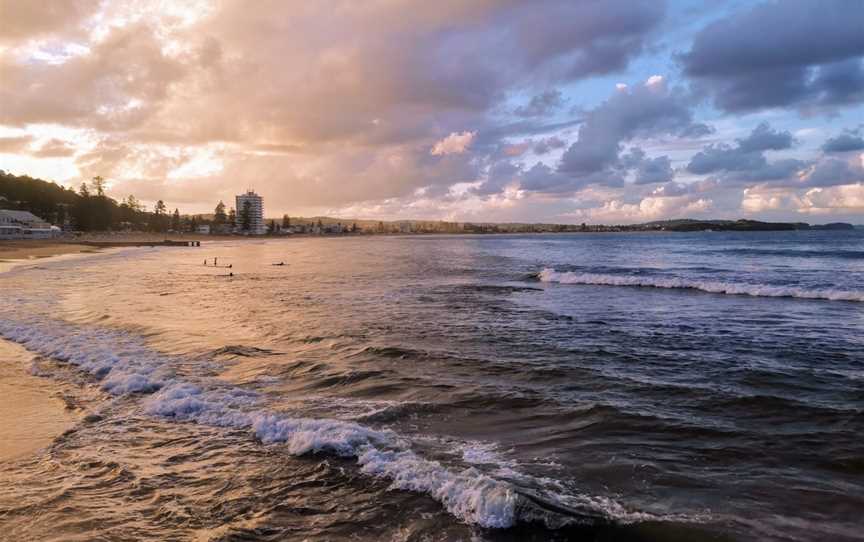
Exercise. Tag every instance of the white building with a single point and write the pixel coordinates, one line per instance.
(24, 225)
(256, 213)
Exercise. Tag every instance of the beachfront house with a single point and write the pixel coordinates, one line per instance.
(25, 225)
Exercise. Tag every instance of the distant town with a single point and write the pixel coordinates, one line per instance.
(32, 208)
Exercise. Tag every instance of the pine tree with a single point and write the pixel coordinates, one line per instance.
(246, 216)
(175, 220)
(159, 216)
(219, 217)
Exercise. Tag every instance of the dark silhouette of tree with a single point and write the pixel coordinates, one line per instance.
(175, 220)
(286, 222)
(87, 209)
(271, 227)
(160, 223)
(246, 216)
(232, 219)
(219, 217)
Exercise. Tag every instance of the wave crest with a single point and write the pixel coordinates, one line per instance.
(710, 286)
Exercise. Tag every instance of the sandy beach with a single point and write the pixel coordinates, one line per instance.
(30, 249)
(32, 410)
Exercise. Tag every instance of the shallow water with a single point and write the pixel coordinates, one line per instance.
(547, 387)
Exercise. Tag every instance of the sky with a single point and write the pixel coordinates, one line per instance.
(565, 111)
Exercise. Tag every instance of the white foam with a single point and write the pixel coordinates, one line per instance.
(469, 495)
(125, 365)
(715, 287)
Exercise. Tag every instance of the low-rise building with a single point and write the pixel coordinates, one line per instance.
(25, 225)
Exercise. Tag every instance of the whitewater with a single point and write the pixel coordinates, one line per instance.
(710, 286)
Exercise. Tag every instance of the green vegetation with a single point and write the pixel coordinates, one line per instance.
(87, 209)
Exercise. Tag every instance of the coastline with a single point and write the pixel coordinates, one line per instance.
(32, 410)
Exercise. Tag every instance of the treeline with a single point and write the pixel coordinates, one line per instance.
(84, 209)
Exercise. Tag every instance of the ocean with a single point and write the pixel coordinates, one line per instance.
(704, 386)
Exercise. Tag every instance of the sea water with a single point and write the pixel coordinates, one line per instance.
(529, 387)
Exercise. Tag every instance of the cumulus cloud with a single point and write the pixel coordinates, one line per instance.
(848, 142)
(836, 199)
(834, 171)
(455, 143)
(791, 53)
(745, 162)
(646, 209)
(847, 200)
(652, 109)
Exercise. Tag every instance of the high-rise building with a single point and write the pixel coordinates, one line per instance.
(256, 213)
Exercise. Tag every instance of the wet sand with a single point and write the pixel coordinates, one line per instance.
(32, 249)
(32, 411)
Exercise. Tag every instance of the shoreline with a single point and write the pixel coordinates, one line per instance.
(32, 410)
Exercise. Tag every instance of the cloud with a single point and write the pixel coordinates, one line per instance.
(646, 209)
(745, 162)
(654, 170)
(313, 105)
(847, 200)
(455, 143)
(549, 144)
(649, 110)
(54, 148)
(794, 53)
(541, 104)
(122, 81)
(15, 144)
(847, 142)
(836, 199)
(29, 19)
(834, 171)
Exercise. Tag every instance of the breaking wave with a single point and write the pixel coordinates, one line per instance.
(125, 367)
(714, 287)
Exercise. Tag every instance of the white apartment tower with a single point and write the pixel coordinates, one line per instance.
(256, 213)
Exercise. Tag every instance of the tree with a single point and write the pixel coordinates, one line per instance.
(98, 185)
(219, 217)
(246, 216)
(232, 219)
(271, 228)
(159, 212)
(286, 222)
(83, 209)
(175, 220)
